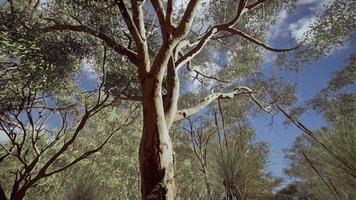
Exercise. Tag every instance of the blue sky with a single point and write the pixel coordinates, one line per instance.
(314, 76)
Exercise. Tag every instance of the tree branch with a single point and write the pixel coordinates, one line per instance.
(209, 99)
(203, 40)
(198, 73)
(171, 99)
(332, 190)
(308, 132)
(196, 50)
(187, 19)
(132, 56)
(130, 97)
(129, 22)
(157, 5)
(256, 41)
(240, 10)
(254, 5)
(137, 14)
(169, 12)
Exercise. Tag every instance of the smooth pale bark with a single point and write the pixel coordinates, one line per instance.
(156, 149)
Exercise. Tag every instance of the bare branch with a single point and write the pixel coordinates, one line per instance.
(232, 49)
(259, 104)
(309, 133)
(203, 40)
(198, 73)
(332, 190)
(206, 101)
(137, 15)
(256, 41)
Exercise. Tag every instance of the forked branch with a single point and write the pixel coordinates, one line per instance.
(201, 41)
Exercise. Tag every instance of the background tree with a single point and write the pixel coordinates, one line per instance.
(328, 172)
(98, 176)
(43, 111)
(217, 163)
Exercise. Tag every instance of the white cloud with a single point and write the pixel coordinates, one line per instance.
(301, 27)
(179, 3)
(277, 28)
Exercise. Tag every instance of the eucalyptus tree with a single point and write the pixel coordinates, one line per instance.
(176, 48)
(150, 43)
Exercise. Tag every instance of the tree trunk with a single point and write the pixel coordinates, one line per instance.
(2, 194)
(18, 196)
(156, 150)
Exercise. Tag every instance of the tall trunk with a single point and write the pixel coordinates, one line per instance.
(156, 150)
(20, 195)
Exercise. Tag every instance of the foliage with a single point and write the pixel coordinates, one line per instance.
(109, 174)
(216, 165)
(328, 171)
